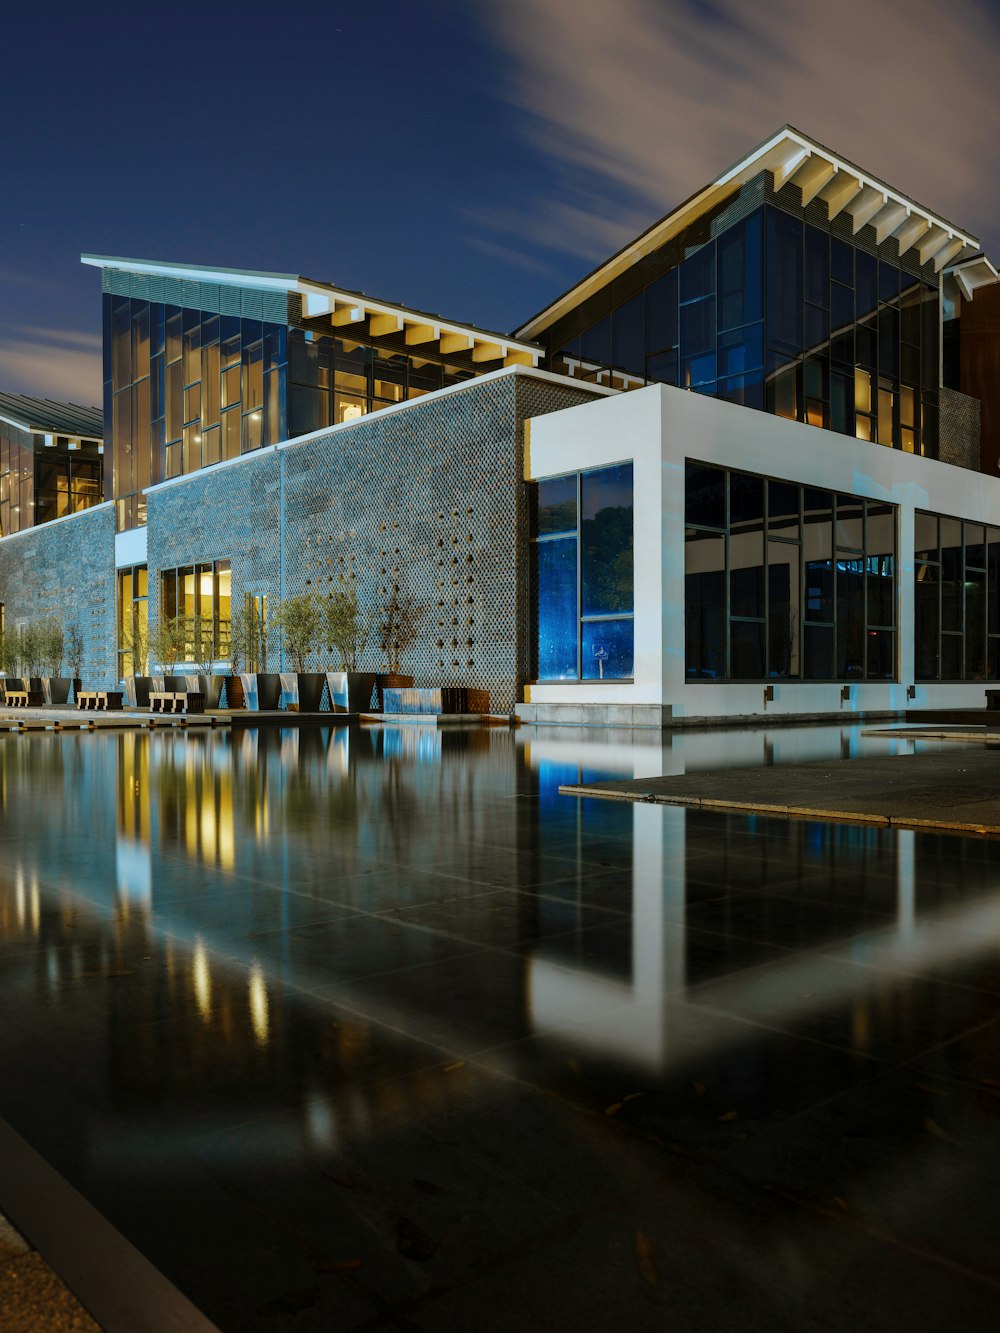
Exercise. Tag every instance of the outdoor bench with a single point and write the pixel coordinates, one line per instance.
(102, 701)
(23, 698)
(176, 701)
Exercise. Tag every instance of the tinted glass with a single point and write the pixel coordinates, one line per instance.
(784, 281)
(705, 496)
(557, 505)
(628, 337)
(782, 609)
(865, 284)
(661, 313)
(746, 646)
(607, 649)
(555, 598)
(606, 540)
(705, 606)
(817, 266)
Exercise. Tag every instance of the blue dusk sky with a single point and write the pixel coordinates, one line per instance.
(472, 159)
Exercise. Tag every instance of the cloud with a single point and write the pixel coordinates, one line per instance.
(638, 104)
(53, 363)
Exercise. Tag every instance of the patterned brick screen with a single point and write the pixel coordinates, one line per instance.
(958, 429)
(429, 499)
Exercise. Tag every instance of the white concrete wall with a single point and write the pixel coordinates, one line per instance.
(658, 429)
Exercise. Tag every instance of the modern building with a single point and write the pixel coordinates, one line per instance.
(51, 461)
(747, 465)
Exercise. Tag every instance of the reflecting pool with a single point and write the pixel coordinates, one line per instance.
(363, 1028)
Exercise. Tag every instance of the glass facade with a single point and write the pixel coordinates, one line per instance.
(201, 596)
(185, 388)
(40, 481)
(133, 621)
(583, 575)
(785, 581)
(956, 598)
(777, 314)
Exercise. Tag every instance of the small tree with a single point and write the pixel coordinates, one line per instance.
(203, 636)
(167, 640)
(51, 645)
(346, 630)
(400, 619)
(74, 651)
(299, 618)
(10, 655)
(238, 629)
(31, 648)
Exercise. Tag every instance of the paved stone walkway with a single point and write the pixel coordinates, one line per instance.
(953, 791)
(32, 1298)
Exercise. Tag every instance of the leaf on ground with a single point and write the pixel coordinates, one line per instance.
(613, 1109)
(934, 1128)
(450, 1069)
(729, 1115)
(842, 1204)
(412, 1243)
(699, 1089)
(427, 1186)
(337, 1265)
(290, 1302)
(645, 1259)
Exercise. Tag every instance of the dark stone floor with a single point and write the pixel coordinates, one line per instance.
(380, 1032)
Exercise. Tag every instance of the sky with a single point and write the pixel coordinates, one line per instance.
(468, 159)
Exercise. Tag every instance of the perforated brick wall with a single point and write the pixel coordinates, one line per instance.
(67, 569)
(429, 499)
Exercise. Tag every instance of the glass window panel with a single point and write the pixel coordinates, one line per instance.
(348, 407)
(698, 371)
(606, 540)
(951, 657)
(275, 346)
(745, 389)
(211, 446)
(697, 274)
(595, 344)
(210, 398)
(866, 345)
(173, 459)
(231, 340)
(555, 599)
(746, 500)
(841, 307)
(628, 337)
(925, 535)
(252, 431)
(140, 340)
(975, 549)
(556, 505)
(141, 444)
(841, 262)
(951, 574)
(231, 433)
(850, 523)
(352, 383)
(157, 316)
(817, 327)
(698, 328)
(819, 590)
(850, 582)
(746, 574)
(817, 267)
(817, 649)
(175, 400)
(175, 333)
(705, 611)
(739, 274)
(784, 281)
(929, 338)
(157, 387)
(888, 341)
(253, 376)
(705, 496)
(842, 404)
(192, 353)
(993, 659)
(975, 624)
(192, 448)
(309, 409)
(746, 647)
(192, 403)
(865, 284)
(661, 314)
(909, 317)
(907, 407)
(881, 645)
(783, 509)
(662, 369)
(783, 609)
(993, 578)
(888, 281)
(783, 394)
(741, 350)
(607, 649)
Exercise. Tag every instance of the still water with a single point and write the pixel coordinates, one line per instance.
(372, 1028)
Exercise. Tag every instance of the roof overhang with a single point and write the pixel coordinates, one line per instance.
(346, 312)
(793, 158)
(971, 275)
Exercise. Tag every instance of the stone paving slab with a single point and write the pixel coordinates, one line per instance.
(950, 792)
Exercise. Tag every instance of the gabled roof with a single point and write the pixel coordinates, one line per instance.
(42, 414)
(346, 311)
(819, 173)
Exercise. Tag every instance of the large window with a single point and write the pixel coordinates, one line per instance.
(201, 597)
(785, 581)
(583, 576)
(956, 598)
(779, 314)
(133, 621)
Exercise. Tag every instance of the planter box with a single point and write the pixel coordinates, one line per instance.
(55, 689)
(350, 691)
(211, 689)
(235, 696)
(390, 680)
(302, 691)
(262, 690)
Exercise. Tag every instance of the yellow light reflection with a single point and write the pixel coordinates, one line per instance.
(260, 1017)
(202, 977)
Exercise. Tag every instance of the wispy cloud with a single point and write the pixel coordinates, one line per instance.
(52, 363)
(640, 103)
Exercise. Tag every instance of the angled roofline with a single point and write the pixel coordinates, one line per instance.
(344, 308)
(820, 173)
(49, 416)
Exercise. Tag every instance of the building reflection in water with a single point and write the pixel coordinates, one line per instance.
(190, 889)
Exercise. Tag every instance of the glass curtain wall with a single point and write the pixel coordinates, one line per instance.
(956, 599)
(17, 491)
(66, 482)
(183, 389)
(786, 582)
(778, 314)
(133, 621)
(201, 596)
(583, 575)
